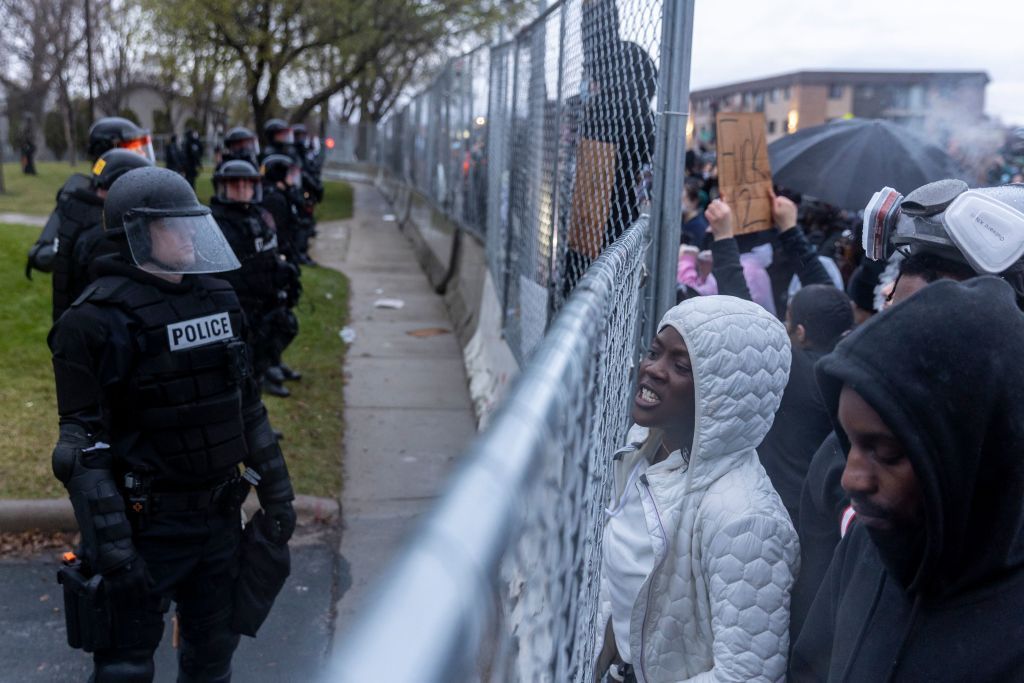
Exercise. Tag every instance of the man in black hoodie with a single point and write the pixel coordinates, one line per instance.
(929, 583)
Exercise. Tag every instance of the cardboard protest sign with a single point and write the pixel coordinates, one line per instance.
(744, 174)
(592, 196)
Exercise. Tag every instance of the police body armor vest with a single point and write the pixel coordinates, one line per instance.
(255, 244)
(179, 415)
(78, 208)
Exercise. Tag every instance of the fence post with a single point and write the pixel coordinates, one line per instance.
(669, 158)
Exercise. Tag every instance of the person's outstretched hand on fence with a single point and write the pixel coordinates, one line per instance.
(719, 216)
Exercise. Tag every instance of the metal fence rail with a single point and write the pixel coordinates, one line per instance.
(548, 148)
(501, 582)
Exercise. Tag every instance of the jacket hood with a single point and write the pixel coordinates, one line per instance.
(740, 356)
(943, 370)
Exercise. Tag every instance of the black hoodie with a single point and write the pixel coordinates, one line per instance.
(943, 370)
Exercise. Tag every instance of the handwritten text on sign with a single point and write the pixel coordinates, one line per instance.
(744, 175)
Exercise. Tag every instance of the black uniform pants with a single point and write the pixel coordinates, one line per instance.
(193, 560)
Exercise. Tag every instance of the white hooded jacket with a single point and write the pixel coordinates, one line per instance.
(716, 605)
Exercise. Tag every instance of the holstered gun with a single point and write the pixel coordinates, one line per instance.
(86, 610)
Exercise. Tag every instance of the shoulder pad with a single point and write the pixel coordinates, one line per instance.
(77, 181)
(103, 290)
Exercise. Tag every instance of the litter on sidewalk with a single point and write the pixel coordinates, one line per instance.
(389, 303)
(425, 332)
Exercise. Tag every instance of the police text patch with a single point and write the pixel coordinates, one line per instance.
(199, 331)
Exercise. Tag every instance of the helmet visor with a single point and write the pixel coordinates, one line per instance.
(245, 147)
(143, 146)
(239, 190)
(178, 244)
(294, 177)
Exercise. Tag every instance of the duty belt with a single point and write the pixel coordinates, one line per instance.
(144, 501)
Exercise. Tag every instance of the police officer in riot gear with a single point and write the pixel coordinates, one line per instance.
(279, 139)
(78, 207)
(266, 284)
(281, 173)
(241, 143)
(79, 246)
(158, 411)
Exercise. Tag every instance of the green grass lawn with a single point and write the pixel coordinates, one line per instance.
(312, 418)
(34, 195)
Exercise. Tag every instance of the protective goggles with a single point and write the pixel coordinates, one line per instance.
(983, 227)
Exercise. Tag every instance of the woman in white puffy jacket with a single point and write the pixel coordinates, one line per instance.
(699, 553)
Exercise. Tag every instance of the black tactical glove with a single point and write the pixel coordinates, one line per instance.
(128, 587)
(279, 521)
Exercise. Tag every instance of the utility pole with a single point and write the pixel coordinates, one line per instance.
(88, 57)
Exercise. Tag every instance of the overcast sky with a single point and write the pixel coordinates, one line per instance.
(740, 40)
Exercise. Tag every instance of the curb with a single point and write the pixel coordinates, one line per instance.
(55, 514)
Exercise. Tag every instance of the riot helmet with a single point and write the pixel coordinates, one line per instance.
(237, 182)
(114, 131)
(241, 143)
(301, 136)
(166, 229)
(281, 168)
(278, 131)
(113, 164)
(983, 227)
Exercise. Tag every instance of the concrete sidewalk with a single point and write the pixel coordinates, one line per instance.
(407, 409)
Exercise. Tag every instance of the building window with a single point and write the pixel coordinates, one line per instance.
(771, 126)
(835, 92)
(772, 94)
(785, 93)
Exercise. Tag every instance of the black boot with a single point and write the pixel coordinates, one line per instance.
(275, 388)
(289, 374)
(275, 374)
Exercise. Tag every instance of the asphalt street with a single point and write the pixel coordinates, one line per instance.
(291, 645)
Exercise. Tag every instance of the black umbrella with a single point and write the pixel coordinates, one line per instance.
(844, 162)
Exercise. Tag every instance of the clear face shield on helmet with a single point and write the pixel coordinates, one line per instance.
(239, 190)
(249, 147)
(983, 227)
(294, 177)
(285, 136)
(178, 244)
(142, 146)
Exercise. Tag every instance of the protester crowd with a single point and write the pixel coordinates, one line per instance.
(823, 481)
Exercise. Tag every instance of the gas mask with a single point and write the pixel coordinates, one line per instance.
(983, 227)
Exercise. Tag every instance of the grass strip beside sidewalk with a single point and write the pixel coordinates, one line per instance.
(312, 419)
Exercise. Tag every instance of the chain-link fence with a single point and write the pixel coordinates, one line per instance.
(543, 146)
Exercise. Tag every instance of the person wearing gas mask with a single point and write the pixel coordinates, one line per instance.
(929, 254)
(699, 555)
(78, 206)
(78, 249)
(266, 284)
(158, 411)
(928, 582)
